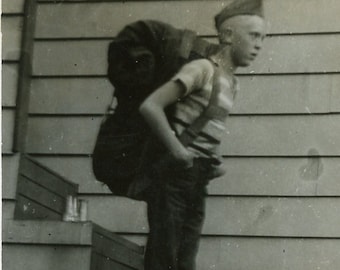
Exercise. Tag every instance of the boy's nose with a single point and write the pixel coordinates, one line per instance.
(258, 44)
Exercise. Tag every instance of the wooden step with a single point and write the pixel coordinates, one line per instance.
(41, 193)
(56, 245)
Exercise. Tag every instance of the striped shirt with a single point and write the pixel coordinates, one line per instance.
(197, 78)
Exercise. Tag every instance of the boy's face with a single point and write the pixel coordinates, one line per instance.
(244, 34)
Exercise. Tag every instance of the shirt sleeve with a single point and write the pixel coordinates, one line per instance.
(195, 75)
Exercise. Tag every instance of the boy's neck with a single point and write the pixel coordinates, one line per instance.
(223, 59)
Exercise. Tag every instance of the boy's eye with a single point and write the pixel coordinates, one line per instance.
(257, 36)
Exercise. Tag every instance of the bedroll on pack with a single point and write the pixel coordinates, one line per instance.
(143, 56)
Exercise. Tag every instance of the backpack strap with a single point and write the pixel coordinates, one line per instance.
(212, 111)
(201, 47)
(187, 42)
(192, 44)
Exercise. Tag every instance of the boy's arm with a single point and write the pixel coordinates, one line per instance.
(192, 77)
(152, 109)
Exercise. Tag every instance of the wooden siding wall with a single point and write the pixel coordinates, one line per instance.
(12, 22)
(278, 206)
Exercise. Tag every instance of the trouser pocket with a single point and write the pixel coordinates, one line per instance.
(203, 170)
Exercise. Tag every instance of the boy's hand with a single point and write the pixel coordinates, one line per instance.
(173, 161)
(217, 171)
(183, 158)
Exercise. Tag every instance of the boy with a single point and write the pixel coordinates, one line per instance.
(176, 203)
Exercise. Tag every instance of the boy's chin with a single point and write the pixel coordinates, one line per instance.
(247, 62)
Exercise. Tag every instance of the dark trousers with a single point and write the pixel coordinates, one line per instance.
(176, 209)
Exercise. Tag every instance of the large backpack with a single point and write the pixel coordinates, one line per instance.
(143, 56)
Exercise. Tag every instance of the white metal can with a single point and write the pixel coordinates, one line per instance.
(83, 210)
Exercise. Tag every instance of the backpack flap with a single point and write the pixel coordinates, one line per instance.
(130, 66)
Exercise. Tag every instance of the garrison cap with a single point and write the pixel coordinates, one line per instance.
(239, 7)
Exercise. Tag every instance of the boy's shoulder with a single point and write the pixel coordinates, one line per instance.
(198, 68)
(203, 63)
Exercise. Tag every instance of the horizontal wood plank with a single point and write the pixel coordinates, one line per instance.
(8, 122)
(288, 94)
(12, 28)
(70, 96)
(47, 232)
(245, 136)
(299, 54)
(259, 94)
(12, 6)
(335, 104)
(244, 176)
(311, 176)
(9, 84)
(59, 232)
(42, 257)
(106, 19)
(8, 207)
(79, 235)
(10, 168)
(284, 217)
(263, 253)
(276, 254)
(283, 54)
(282, 136)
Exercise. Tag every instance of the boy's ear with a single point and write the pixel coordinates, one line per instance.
(225, 36)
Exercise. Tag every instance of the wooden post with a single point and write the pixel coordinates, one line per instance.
(25, 71)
